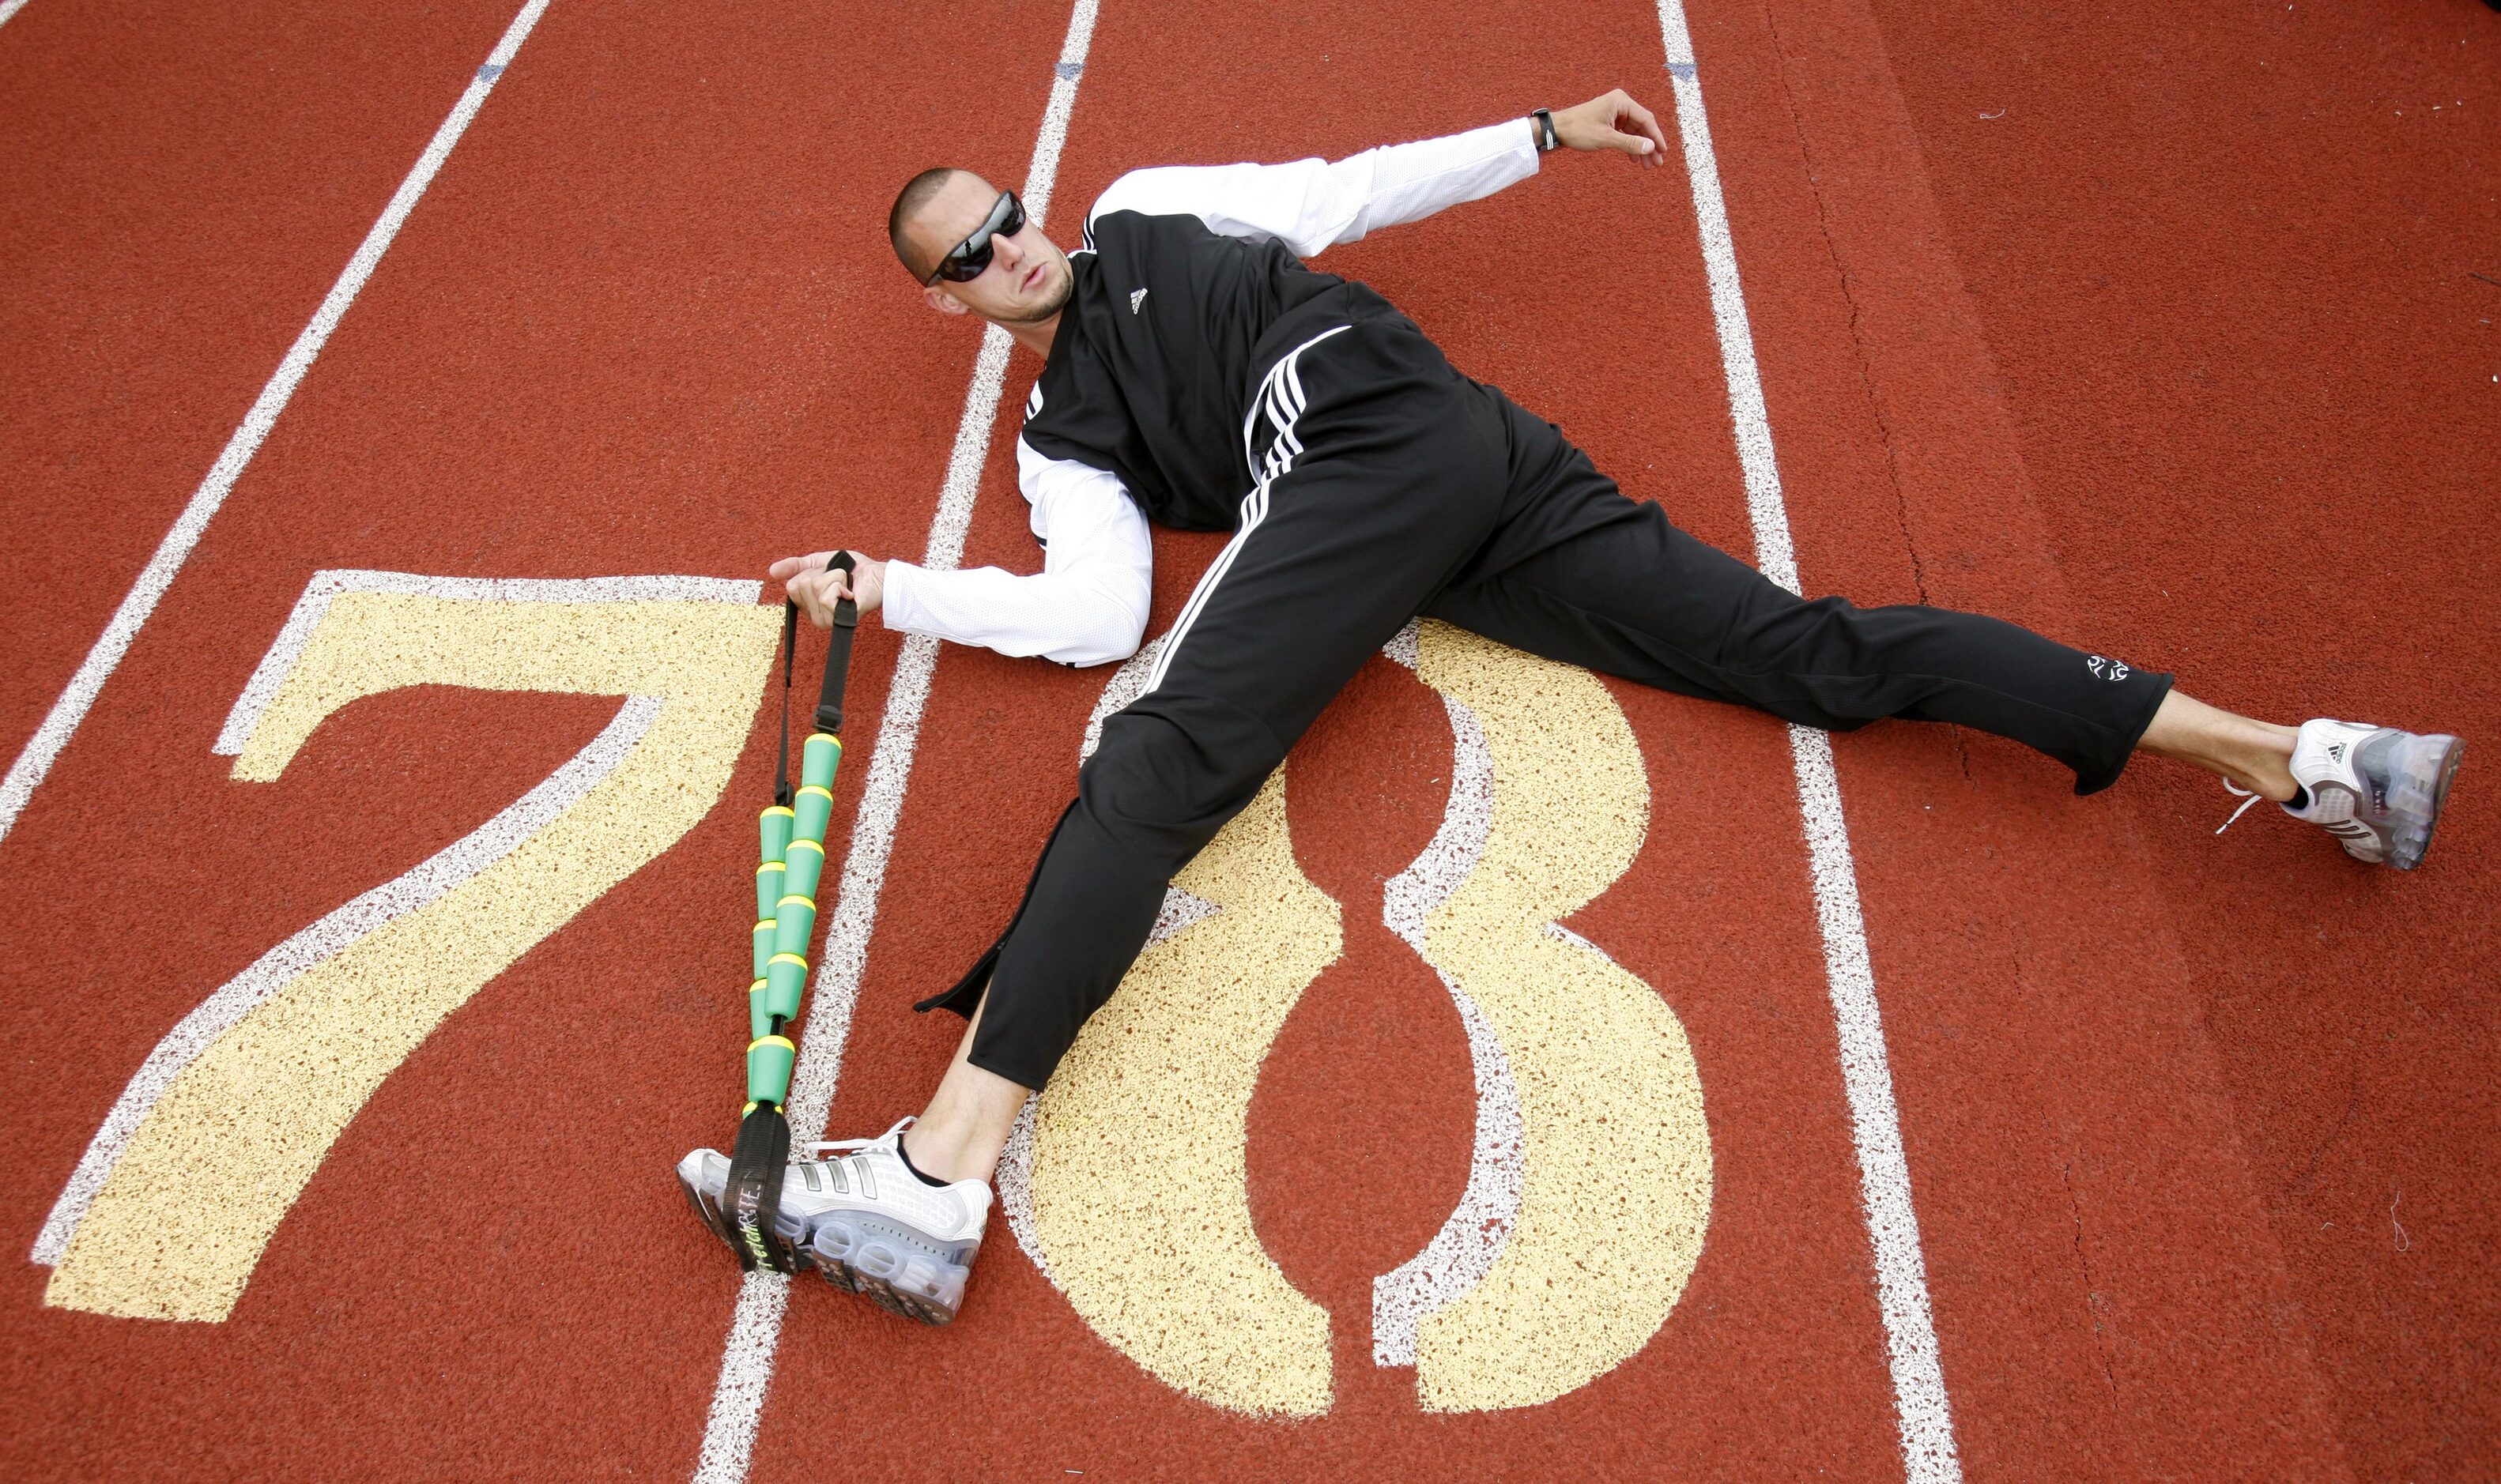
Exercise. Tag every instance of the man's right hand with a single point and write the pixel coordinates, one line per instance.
(817, 588)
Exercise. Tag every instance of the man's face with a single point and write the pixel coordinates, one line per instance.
(1029, 280)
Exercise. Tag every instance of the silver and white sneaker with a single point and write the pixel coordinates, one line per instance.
(2377, 789)
(868, 1223)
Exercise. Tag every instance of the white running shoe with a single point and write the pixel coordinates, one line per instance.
(868, 1222)
(2377, 789)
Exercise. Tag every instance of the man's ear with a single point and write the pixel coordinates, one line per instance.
(943, 302)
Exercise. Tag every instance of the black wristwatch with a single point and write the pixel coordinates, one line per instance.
(1546, 138)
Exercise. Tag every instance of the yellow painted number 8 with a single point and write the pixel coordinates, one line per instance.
(1590, 1181)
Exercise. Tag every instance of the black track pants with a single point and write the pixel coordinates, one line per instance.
(1394, 486)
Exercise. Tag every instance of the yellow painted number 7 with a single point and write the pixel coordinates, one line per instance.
(222, 1126)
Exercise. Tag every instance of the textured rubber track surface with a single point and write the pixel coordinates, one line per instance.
(2159, 331)
(181, 185)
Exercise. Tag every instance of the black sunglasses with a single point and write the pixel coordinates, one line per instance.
(971, 257)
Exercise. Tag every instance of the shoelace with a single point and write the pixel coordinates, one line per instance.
(853, 1145)
(2247, 796)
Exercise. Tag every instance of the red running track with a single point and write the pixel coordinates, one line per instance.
(181, 185)
(2178, 355)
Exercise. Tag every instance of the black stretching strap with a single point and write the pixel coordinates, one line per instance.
(838, 669)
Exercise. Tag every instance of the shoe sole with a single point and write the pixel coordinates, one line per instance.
(2425, 767)
(899, 1268)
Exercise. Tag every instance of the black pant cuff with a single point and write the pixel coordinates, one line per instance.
(966, 996)
(2103, 772)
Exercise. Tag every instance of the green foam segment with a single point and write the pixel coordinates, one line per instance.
(759, 1018)
(806, 870)
(770, 887)
(796, 917)
(768, 1070)
(784, 983)
(816, 762)
(816, 809)
(773, 826)
(763, 936)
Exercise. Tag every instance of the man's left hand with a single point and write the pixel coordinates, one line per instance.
(1613, 121)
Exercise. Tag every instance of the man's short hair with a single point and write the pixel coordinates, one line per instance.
(917, 193)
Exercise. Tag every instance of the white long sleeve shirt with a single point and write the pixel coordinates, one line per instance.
(1088, 603)
(1088, 606)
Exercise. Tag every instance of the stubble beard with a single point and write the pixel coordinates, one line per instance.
(1056, 303)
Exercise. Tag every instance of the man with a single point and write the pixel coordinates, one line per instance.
(1196, 373)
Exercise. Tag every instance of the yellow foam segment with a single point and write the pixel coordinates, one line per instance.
(1139, 1194)
(208, 1175)
(1618, 1183)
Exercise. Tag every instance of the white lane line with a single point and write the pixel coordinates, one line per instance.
(8, 8)
(1925, 1422)
(429, 882)
(45, 746)
(844, 957)
(755, 1328)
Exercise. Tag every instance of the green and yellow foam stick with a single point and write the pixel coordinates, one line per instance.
(782, 975)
